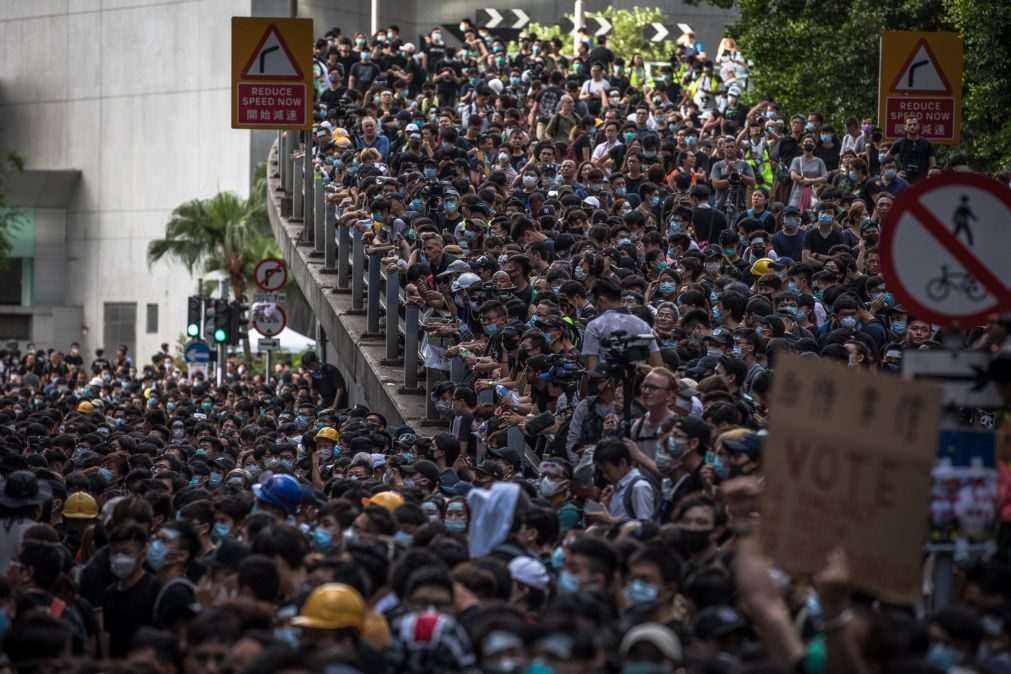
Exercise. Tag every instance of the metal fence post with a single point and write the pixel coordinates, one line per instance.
(343, 258)
(329, 238)
(307, 176)
(393, 317)
(410, 350)
(358, 271)
(317, 212)
(297, 203)
(457, 370)
(280, 161)
(287, 172)
(372, 310)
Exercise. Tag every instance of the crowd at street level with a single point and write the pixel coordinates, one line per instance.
(539, 206)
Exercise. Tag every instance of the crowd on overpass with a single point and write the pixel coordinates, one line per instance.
(618, 257)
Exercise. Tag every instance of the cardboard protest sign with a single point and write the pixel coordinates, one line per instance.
(847, 462)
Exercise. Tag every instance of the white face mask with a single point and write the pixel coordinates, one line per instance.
(547, 487)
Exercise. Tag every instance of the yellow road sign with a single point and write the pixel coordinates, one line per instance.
(271, 73)
(920, 75)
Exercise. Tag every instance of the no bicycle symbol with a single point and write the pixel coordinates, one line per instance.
(943, 249)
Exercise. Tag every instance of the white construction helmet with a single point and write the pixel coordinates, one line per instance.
(465, 281)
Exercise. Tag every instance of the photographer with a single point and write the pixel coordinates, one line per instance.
(613, 317)
(731, 177)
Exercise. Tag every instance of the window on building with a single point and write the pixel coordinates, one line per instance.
(120, 327)
(10, 282)
(152, 319)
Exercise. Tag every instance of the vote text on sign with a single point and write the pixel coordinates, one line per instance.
(847, 462)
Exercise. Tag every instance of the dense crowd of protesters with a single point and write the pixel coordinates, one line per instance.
(618, 256)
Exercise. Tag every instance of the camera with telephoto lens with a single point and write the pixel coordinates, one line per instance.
(624, 350)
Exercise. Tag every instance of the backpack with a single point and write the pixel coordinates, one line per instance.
(182, 580)
(627, 499)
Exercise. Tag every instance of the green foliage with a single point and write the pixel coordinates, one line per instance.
(985, 25)
(626, 36)
(9, 217)
(223, 234)
(823, 56)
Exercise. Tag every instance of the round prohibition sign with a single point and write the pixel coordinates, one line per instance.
(943, 249)
(270, 274)
(271, 324)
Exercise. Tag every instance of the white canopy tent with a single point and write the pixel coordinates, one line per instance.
(291, 341)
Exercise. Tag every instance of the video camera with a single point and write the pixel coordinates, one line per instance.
(624, 350)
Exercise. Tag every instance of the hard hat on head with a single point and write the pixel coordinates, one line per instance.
(281, 491)
(80, 506)
(762, 267)
(332, 606)
(328, 433)
(385, 499)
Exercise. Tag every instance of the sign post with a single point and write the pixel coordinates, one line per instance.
(271, 73)
(943, 249)
(920, 75)
(865, 489)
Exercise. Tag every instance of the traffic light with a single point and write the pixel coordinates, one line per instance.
(238, 320)
(193, 307)
(221, 321)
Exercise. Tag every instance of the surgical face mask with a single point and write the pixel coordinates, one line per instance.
(580, 274)
(122, 565)
(450, 206)
(547, 487)
(943, 656)
(429, 172)
(673, 228)
(221, 531)
(105, 474)
(853, 176)
(157, 555)
(667, 288)
(640, 593)
(791, 222)
(824, 219)
(736, 352)
(899, 327)
(529, 180)
(848, 322)
(322, 539)
(654, 201)
(456, 525)
(568, 584)
(491, 329)
(890, 173)
(712, 267)
(444, 407)
(215, 479)
(629, 137)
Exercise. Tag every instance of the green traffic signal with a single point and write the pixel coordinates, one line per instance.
(192, 329)
(219, 335)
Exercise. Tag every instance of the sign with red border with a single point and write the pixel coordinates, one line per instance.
(270, 274)
(944, 249)
(271, 73)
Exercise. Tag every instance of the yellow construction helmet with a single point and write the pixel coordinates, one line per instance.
(85, 407)
(80, 506)
(385, 499)
(328, 433)
(332, 606)
(762, 267)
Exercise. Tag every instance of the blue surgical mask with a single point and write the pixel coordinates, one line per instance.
(736, 352)
(690, 141)
(450, 206)
(825, 218)
(792, 287)
(667, 288)
(567, 583)
(157, 555)
(491, 329)
(825, 137)
(717, 315)
(322, 540)
(429, 173)
(730, 251)
(891, 173)
(302, 422)
(640, 593)
(215, 479)
(417, 205)
(195, 481)
(105, 474)
(853, 176)
(721, 469)
(899, 327)
(221, 531)
(558, 558)
(943, 656)
(654, 201)
(287, 463)
(673, 228)
(456, 525)
(619, 191)
(404, 538)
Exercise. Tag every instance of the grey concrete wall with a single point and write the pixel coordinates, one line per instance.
(135, 94)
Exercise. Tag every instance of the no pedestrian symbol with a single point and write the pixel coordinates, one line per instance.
(944, 249)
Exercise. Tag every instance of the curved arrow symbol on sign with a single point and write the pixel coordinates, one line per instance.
(521, 18)
(495, 17)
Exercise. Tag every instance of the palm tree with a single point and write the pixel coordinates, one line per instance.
(213, 235)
